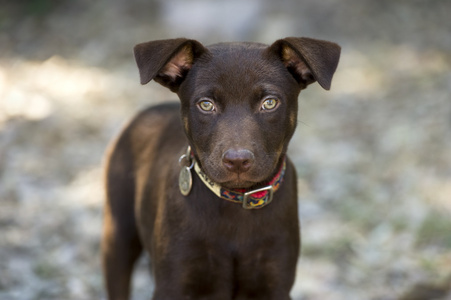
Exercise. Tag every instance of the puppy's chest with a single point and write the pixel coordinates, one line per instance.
(236, 228)
(238, 240)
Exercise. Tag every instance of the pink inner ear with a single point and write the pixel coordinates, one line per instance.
(291, 59)
(180, 62)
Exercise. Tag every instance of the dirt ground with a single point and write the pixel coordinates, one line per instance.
(373, 154)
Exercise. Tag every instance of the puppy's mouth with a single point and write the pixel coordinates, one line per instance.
(230, 180)
(257, 175)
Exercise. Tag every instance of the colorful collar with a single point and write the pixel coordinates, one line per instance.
(252, 199)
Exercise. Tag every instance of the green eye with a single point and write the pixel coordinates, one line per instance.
(269, 104)
(206, 105)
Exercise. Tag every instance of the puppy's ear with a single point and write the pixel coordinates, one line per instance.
(167, 61)
(308, 60)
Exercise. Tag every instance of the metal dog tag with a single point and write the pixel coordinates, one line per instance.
(185, 181)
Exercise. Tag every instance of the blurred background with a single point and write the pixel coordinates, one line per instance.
(373, 154)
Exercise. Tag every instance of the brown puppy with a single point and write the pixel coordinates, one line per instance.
(219, 219)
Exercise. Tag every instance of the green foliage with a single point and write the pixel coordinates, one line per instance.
(435, 230)
(39, 7)
(46, 270)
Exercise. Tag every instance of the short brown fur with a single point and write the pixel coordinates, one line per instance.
(201, 246)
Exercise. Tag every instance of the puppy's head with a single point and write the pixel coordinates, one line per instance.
(239, 100)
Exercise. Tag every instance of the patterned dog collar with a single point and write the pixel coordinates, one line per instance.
(251, 199)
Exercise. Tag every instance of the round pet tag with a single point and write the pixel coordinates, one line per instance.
(185, 181)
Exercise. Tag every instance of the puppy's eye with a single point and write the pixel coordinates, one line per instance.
(269, 104)
(206, 105)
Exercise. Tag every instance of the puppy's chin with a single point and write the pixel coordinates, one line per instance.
(238, 184)
(239, 181)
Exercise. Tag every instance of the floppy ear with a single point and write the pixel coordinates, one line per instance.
(308, 60)
(167, 61)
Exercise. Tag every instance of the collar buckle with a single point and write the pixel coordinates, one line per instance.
(248, 205)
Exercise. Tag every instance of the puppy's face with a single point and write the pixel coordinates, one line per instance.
(239, 100)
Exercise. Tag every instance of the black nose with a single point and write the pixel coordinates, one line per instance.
(238, 161)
